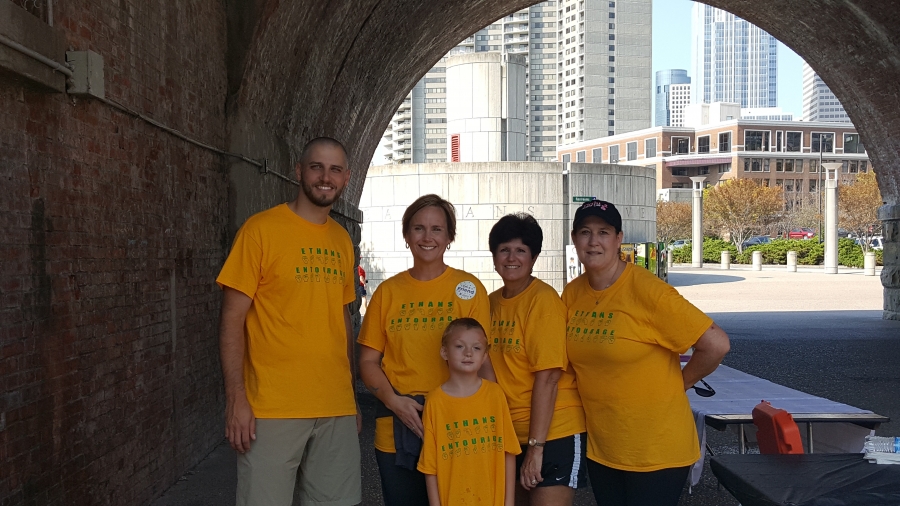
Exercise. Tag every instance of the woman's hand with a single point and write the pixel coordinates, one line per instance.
(709, 351)
(407, 410)
(530, 473)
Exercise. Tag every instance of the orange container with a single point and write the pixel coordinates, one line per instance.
(777, 431)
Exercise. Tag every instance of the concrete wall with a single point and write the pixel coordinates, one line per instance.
(483, 193)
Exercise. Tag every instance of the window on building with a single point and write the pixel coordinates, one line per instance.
(852, 144)
(679, 171)
(725, 167)
(703, 144)
(597, 155)
(756, 140)
(631, 151)
(702, 171)
(725, 142)
(812, 185)
(650, 148)
(793, 142)
(822, 142)
(779, 137)
(864, 166)
(681, 145)
(567, 158)
(614, 154)
(580, 156)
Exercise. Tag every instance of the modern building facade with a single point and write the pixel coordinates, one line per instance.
(819, 103)
(774, 153)
(483, 193)
(588, 75)
(679, 98)
(486, 107)
(732, 60)
(664, 101)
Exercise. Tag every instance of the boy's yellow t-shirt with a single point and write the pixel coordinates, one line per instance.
(465, 445)
(624, 344)
(299, 275)
(528, 334)
(405, 320)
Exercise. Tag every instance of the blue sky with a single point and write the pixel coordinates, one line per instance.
(672, 50)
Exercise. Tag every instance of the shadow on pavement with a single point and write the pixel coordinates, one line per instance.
(677, 279)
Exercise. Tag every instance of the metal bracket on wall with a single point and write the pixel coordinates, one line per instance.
(264, 167)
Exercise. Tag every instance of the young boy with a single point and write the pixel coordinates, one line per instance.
(469, 448)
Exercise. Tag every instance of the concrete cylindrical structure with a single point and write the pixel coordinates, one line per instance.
(757, 260)
(726, 260)
(697, 222)
(486, 109)
(869, 263)
(831, 217)
(792, 261)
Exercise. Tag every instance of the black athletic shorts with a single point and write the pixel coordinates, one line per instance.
(564, 462)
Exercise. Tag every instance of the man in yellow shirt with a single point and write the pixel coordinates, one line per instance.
(286, 345)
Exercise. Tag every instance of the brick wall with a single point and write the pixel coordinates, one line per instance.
(111, 234)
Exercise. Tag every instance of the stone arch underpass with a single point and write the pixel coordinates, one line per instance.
(113, 229)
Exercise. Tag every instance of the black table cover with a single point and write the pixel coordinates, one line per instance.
(819, 479)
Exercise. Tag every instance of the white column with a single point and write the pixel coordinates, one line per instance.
(757, 260)
(697, 228)
(831, 217)
(726, 260)
(792, 261)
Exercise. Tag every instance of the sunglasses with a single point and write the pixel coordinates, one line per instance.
(704, 392)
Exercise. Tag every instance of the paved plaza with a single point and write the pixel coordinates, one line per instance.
(818, 333)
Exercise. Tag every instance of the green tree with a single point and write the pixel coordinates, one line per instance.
(858, 204)
(741, 207)
(673, 221)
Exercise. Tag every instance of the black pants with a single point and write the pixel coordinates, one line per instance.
(400, 486)
(613, 487)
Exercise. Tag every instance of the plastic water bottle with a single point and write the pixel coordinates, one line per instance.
(882, 444)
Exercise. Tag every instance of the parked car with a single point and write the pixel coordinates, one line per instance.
(679, 243)
(755, 240)
(875, 243)
(801, 233)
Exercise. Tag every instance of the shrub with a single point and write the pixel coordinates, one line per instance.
(809, 252)
(712, 251)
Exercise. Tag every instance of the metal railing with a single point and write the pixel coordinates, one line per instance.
(41, 9)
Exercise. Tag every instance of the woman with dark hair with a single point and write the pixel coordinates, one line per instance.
(528, 353)
(400, 359)
(626, 329)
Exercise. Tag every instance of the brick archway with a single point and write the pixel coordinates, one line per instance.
(297, 70)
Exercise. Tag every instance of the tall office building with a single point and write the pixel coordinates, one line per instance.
(588, 76)
(819, 103)
(664, 100)
(732, 60)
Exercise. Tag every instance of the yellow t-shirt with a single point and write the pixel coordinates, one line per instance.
(299, 275)
(465, 445)
(405, 320)
(528, 334)
(624, 343)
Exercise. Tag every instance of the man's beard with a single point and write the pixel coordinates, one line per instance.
(308, 190)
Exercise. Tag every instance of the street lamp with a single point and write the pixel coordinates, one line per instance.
(831, 217)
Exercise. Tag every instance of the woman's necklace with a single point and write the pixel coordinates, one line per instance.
(612, 280)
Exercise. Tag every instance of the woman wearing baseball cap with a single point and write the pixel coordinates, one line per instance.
(626, 329)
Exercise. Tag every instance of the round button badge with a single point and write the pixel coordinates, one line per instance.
(465, 290)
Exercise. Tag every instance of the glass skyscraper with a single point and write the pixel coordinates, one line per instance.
(664, 79)
(732, 60)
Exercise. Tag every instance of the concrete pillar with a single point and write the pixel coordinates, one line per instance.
(869, 263)
(697, 222)
(726, 260)
(757, 260)
(890, 273)
(670, 255)
(792, 261)
(831, 217)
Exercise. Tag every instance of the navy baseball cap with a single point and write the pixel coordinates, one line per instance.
(600, 208)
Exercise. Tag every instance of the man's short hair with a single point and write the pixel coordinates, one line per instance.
(320, 141)
(461, 324)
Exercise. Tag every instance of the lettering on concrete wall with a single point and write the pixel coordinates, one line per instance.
(530, 210)
(470, 213)
(499, 211)
(387, 214)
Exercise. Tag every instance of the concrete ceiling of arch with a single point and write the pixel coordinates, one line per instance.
(341, 68)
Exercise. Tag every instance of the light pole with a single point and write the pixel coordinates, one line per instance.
(831, 218)
(697, 222)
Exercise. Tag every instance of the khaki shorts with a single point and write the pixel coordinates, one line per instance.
(325, 450)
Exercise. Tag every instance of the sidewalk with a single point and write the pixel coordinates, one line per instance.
(816, 332)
